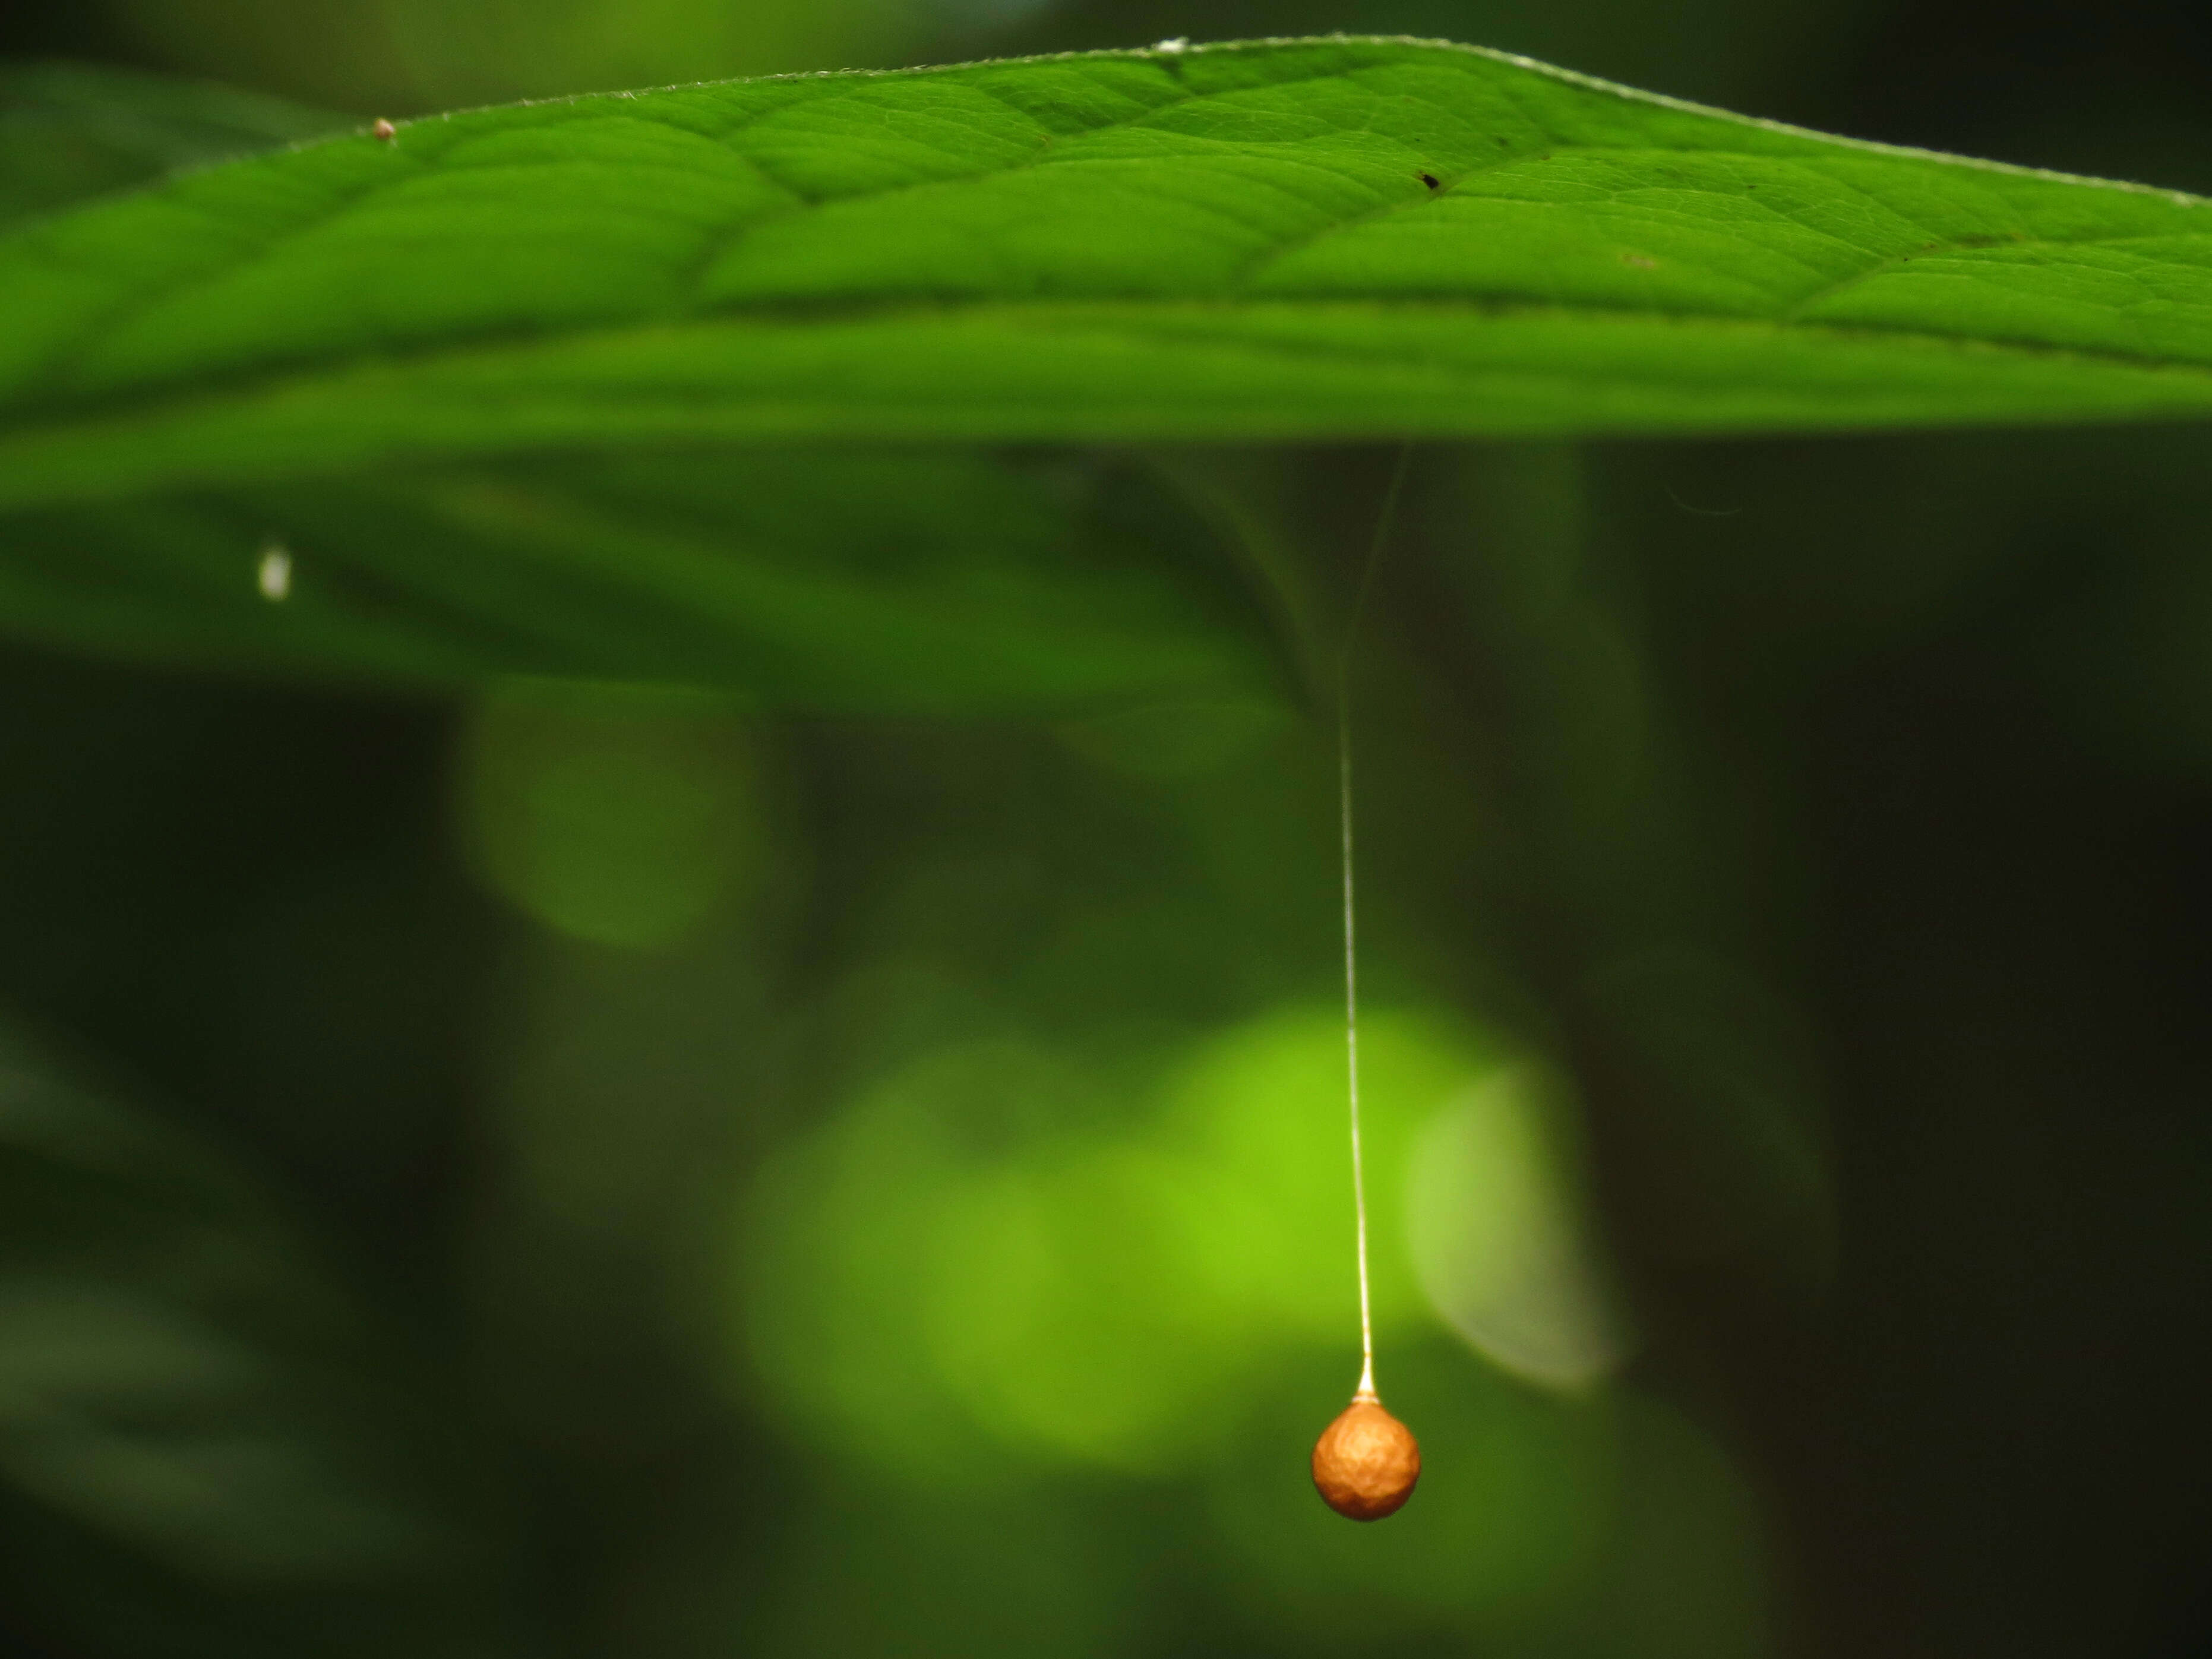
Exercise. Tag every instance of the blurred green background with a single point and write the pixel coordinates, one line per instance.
(584, 1173)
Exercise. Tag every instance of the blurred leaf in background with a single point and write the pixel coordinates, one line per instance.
(207, 1444)
(402, 56)
(926, 581)
(605, 826)
(72, 130)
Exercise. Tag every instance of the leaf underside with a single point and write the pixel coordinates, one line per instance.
(1340, 238)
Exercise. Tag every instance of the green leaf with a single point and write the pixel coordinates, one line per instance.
(1340, 238)
(1229, 241)
(70, 131)
(932, 581)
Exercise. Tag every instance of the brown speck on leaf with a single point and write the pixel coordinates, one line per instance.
(1365, 1463)
(384, 132)
(1429, 179)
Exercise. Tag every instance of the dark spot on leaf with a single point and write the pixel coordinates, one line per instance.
(1429, 179)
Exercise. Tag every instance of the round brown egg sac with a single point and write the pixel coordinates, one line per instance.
(1365, 1463)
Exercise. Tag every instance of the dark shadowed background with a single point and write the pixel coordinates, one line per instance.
(583, 1173)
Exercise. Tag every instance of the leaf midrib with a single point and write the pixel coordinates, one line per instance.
(209, 392)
